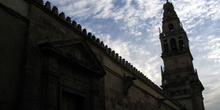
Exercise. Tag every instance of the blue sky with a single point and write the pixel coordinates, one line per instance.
(131, 28)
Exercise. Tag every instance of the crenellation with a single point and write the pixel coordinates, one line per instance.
(140, 75)
(84, 32)
(47, 5)
(79, 27)
(102, 44)
(144, 78)
(132, 69)
(97, 41)
(74, 24)
(138, 72)
(119, 59)
(106, 48)
(62, 15)
(109, 51)
(112, 54)
(116, 57)
(65, 58)
(90, 35)
(123, 61)
(55, 10)
(128, 66)
(68, 20)
(93, 38)
(126, 63)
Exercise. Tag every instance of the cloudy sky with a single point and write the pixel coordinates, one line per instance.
(131, 28)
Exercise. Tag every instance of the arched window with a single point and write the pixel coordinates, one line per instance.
(173, 44)
(171, 27)
(168, 10)
(181, 44)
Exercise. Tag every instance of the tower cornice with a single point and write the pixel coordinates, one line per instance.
(179, 78)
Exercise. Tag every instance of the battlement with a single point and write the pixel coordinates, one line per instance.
(54, 59)
(99, 44)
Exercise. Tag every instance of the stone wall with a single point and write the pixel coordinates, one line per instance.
(49, 61)
(13, 41)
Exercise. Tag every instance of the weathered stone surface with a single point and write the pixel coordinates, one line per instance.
(50, 63)
(12, 46)
(179, 78)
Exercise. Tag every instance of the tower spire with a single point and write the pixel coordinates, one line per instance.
(179, 78)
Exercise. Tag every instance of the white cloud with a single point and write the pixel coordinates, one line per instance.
(119, 46)
(142, 18)
(195, 12)
(207, 44)
(212, 93)
(206, 51)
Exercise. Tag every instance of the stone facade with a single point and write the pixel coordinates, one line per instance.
(179, 78)
(48, 62)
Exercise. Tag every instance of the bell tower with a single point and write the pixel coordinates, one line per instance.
(179, 78)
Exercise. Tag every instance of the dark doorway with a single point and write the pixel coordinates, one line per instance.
(72, 101)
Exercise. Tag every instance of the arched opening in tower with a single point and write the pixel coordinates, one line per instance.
(171, 27)
(173, 44)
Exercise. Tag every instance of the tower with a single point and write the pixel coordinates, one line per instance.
(179, 78)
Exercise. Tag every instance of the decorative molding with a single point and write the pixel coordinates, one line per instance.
(127, 83)
(99, 44)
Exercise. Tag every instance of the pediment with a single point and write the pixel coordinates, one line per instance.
(76, 51)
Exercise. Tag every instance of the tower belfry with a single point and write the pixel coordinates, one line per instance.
(179, 78)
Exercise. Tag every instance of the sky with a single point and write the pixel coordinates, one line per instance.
(131, 28)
